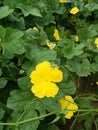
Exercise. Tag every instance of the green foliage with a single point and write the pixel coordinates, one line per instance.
(22, 47)
(5, 11)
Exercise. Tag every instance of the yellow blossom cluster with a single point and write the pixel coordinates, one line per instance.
(44, 78)
(67, 103)
(50, 44)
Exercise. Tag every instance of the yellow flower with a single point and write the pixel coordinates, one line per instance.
(96, 42)
(62, 1)
(76, 38)
(74, 10)
(68, 104)
(50, 44)
(56, 35)
(97, 83)
(35, 28)
(44, 78)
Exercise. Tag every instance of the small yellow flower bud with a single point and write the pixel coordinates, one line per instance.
(50, 44)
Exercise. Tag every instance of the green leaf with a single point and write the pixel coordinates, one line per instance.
(50, 104)
(37, 54)
(28, 66)
(3, 82)
(12, 3)
(86, 32)
(88, 123)
(73, 50)
(13, 43)
(32, 125)
(18, 100)
(91, 7)
(5, 11)
(29, 9)
(95, 64)
(54, 7)
(2, 112)
(24, 83)
(68, 88)
(2, 32)
(85, 102)
(81, 67)
(87, 119)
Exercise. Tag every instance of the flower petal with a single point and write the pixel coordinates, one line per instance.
(55, 75)
(35, 77)
(69, 99)
(52, 89)
(43, 69)
(39, 90)
(69, 115)
(63, 103)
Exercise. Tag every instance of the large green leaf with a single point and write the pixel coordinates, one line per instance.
(68, 88)
(29, 9)
(81, 67)
(37, 54)
(18, 100)
(5, 11)
(24, 83)
(50, 104)
(73, 50)
(86, 32)
(13, 43)
(32, 125)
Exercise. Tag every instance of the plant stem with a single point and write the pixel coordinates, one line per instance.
(37, 118)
